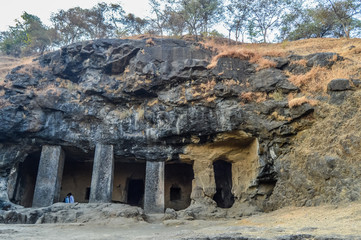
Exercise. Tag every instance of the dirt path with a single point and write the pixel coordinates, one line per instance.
(338, 222)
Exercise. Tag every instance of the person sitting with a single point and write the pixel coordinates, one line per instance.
(69, 198)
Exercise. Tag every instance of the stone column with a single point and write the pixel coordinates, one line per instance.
(50, 174)
(13, 181)
(154, 187)
(103, 173)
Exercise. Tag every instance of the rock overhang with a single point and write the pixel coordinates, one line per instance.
(153, 103)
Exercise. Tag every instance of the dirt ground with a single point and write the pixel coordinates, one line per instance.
(324, 222)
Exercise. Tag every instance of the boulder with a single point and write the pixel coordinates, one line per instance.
(339, 84)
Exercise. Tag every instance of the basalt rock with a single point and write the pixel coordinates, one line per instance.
(155, 102)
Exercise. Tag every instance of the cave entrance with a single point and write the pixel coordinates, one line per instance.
(135, 192)
(77, 174)
(223, 177)
(178, 185)
(22, 180)
(128, 185)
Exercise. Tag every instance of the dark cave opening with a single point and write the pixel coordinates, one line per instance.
(22, 182)
(175, 193)
(223, 177)
(129, 182)
(178, 185)
(135, 192)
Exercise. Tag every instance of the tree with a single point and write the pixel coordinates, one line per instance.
(198, 15)
(70, 25)
(319, 21)
(160, 19)
(134, 25)
(211, 12)
(345, 12)
(292, 20)
(28, 36)
(238, 12)
(77, 24)
(266, 15)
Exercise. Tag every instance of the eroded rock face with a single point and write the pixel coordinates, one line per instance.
(155, 102)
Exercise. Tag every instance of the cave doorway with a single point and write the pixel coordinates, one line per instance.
(77, 174)
(178, 185)
(128, 185)
(223, 177)
(135, 192)
(22, 181)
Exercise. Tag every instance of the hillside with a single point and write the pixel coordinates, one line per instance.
(204, 131)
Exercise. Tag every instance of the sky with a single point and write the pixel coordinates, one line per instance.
(13, 9)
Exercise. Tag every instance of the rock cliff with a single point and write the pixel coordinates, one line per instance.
(158, 101)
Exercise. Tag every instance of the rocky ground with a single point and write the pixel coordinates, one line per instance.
(323, 222)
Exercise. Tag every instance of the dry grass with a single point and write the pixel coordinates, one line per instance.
(236, 52)
(278, 117)
(152, 103)
(150, 42)
(244, 52)
(294, 102)
(204, 90)
(301, 62)
(314, 80)
(8, 63)
(317, 79)
(254, 97)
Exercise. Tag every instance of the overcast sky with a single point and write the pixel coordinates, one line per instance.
(13, 9)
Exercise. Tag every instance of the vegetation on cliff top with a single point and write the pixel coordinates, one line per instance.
(246, 20)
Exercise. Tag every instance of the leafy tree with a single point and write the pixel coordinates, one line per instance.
(70, 25)
(134, 25)
(77, 24)
(292, 20)
(345, 11)
(211, 12)
(175, 25)
(198, 15)
(319, 21)
(28, 36)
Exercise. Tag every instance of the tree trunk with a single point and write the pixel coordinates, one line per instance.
(265, 36)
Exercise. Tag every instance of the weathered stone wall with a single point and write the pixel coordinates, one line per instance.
(238, 148)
